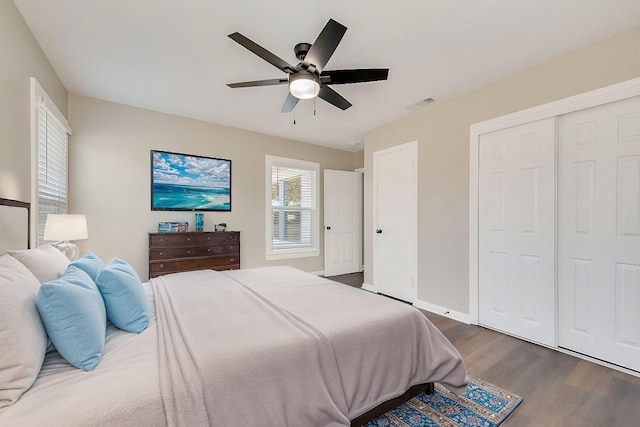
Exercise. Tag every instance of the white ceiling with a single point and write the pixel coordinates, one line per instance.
(175, 56)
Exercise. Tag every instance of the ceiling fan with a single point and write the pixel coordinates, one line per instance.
(308, 78)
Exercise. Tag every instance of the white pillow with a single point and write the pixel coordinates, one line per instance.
(45, 262)
(23, 338)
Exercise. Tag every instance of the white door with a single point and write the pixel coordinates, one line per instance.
(517, 231)
(599, 232)
(395, 221)
(342, 222)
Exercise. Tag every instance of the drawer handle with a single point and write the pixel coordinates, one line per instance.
(231, 248)
(188, 252)
(209, 250)
(230, 237)
(232, 259)
(161, 253)
(161, 265)
(188, 239)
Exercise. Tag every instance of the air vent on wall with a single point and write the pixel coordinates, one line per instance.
(422, 103)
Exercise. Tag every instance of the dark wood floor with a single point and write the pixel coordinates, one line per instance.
(353, 279)
(558, 389)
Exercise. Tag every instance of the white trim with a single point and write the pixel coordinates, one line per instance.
(35, 89)
(290, 254)
(270, 254)
(368, 287)
(317, 273)
(616, 92)
(442, 311)
(39, 96)
(361, 170)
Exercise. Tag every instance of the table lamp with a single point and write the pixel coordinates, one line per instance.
(61, 228)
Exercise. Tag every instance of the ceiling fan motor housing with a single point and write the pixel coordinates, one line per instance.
(301, 50)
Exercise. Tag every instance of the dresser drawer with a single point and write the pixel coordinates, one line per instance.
(192, 239)
(218, 268)
(193, 251)
(176, 252)
(186, 264)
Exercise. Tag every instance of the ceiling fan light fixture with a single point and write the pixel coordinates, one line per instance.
(304, 85)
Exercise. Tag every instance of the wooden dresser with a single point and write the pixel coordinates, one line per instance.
(175, 252)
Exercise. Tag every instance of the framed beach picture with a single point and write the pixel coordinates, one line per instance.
(186, 182)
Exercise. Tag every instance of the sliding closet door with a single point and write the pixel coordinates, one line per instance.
(599, 232)
(517, 231)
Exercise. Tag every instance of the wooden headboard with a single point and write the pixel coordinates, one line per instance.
(15, 225)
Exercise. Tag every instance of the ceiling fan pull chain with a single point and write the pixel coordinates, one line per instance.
(294, 115)
(314, 105)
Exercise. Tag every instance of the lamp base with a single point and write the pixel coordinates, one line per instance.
(70, 250)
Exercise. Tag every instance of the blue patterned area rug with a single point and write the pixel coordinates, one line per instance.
(483, 404)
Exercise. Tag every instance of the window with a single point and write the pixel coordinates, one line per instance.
(49, 152)
(292, 208)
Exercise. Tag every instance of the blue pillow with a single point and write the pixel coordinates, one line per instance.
(124, 297)
(73, 314)
(91, 264)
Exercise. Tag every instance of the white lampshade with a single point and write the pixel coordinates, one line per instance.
(65, 227)
(304, 85)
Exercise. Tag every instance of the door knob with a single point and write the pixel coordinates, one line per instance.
(379, 231)
(328, 227)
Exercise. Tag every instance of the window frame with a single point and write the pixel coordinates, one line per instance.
(288, 253)
(40, 98)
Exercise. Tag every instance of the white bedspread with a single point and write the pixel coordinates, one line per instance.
(382, 346)
(256, 347)
(230, 358)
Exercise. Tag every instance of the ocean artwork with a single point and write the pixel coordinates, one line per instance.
(188, 182)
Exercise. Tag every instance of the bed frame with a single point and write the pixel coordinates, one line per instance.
(391, 404)
(359, 421)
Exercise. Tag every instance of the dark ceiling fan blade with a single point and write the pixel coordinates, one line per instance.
(270, 82)
(289, 103)
(333, 97)
(340, 77)
(324, 46)
(262, 53)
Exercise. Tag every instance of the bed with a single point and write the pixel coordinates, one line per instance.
(263, 346)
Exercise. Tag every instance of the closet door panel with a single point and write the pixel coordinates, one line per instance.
(516, 231)
(599, 232)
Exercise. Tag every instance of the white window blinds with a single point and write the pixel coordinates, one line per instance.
(292, 209)
(50, 162)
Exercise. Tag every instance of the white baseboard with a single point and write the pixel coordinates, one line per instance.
(368, 287)
(442, 311)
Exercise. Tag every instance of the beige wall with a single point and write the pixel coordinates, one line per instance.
(358, 159)
(109, 177)
(20, 59)
(442, 131)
